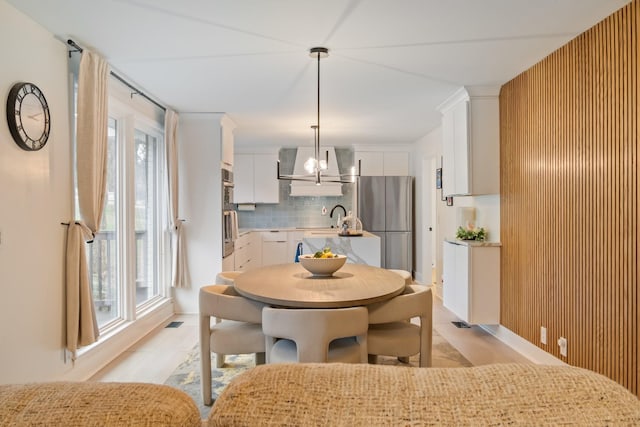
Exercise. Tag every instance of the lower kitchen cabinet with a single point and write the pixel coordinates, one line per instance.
(228, 262)
(247, 252)
(255, 250)
(275, 248)
(471, 281)
(242, 252)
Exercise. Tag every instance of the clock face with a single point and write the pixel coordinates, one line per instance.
(28, 116)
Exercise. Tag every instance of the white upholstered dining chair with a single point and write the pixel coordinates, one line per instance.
(237, 329)
(406, 275)
(227, 277)
(315, 335)
(391, 332)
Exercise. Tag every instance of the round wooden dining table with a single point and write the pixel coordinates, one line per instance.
(290, 285)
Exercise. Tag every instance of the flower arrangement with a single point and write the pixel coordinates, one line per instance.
(471, 233)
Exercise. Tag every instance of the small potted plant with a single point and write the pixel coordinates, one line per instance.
(471, 233)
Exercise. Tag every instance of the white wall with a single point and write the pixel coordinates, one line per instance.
(35, 196)
(444, 224)
(428, 150)
(200, 203)
(487, 215)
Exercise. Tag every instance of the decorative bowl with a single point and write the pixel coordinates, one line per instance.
(322, 266)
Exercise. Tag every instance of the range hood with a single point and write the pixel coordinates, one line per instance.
(308, 188)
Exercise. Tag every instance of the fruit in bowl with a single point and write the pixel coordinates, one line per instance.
(325, 253)
(324, 264)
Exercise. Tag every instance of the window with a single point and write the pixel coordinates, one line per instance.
(126, 259)
(147, 228)
(102, 254)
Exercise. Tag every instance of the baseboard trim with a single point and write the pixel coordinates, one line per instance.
(522, 346)
(92, 359)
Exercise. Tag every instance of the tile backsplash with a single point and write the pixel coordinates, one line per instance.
(302, 211)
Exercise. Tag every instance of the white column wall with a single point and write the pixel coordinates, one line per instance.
(199, 155)
(35, 196)
(428, 150)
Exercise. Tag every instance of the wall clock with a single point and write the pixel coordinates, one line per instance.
(28, 116)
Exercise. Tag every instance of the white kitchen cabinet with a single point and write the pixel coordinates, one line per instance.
(228, 262)
(396, 163)
(227, 146)
(265, 178)
(471, 281)
(383, 163)
(243, 178)
(471, 142)
(371, 163)
(255, 249)
(243, 252)
(255, 178)
(275, 248)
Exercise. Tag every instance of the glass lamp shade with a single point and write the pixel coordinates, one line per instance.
(310, 165)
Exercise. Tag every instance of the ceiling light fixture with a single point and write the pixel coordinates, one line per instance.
(316, 167)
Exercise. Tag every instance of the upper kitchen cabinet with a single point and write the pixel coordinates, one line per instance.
(255, 178)
(471, 138)
(396, 163)
(383, 163)
(371, 163)
(227, 128)
(243, 179)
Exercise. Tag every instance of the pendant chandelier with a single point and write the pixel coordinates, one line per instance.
(316, 167)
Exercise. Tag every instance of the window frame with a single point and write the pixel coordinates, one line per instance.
(130, 114)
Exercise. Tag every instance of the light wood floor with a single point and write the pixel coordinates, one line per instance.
(156, 356)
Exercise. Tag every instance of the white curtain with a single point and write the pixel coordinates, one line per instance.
(91, 165)
(178, 256)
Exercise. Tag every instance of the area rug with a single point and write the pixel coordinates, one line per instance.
(186, 377)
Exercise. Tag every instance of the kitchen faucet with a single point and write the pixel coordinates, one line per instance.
(333, 209)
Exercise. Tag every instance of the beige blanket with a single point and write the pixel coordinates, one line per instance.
(373, 395)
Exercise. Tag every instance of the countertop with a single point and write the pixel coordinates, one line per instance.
(331, 233)
(363, 249)
(328, 230)
(473, 243)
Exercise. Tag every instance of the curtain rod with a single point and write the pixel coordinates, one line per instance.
(77, 48)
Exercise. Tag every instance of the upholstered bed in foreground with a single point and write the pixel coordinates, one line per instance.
(372, 395)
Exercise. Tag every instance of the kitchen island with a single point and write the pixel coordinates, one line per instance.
(363, 249)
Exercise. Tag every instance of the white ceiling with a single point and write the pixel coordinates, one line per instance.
(390, 63)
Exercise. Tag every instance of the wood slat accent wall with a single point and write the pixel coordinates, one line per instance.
(570, 207)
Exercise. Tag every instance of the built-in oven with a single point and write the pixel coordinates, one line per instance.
(229, 217)
(228, 226)
(227, 190)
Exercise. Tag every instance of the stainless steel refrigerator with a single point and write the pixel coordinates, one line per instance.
(385, 207)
